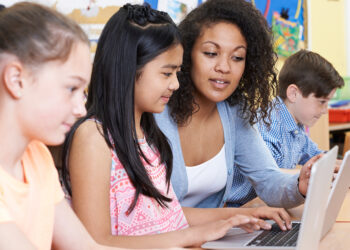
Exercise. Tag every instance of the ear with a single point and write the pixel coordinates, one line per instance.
(292, 92)
(12, 78)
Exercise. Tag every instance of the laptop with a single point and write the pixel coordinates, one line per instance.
(339, 189)
(304, 235)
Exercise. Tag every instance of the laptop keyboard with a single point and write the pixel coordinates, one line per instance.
(277, 237)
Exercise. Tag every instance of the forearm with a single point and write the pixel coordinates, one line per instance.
(199, 216)
(181, 238)
(284, 193)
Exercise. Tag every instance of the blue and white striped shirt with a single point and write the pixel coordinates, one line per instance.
(288, 142)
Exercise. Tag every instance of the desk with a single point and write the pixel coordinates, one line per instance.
(339, 236)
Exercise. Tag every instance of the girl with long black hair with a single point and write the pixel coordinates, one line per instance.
(117, 163)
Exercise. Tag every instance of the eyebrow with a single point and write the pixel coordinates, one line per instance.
(80, 79)
(171, 66)
(218, 46)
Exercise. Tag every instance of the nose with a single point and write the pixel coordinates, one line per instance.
(79, 109)
(174, 84)
(324, 109)
(222, 65)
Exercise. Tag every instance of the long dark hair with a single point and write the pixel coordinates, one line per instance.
(258, 82)
(132, 37)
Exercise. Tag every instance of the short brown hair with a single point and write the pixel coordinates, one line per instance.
(36, 34)
(311, 73)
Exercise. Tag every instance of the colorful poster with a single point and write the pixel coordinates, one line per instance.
(286, 34)
(177, 9)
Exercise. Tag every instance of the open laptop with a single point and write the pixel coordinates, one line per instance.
(303, 236)
(339, 189)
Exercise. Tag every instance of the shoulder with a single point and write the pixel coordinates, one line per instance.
(89, 143)
(38, 149)
(37, 158)
(89, 134)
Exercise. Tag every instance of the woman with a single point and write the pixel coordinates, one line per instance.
(227, 77)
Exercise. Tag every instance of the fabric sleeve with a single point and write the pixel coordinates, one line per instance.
(48, 166)
(57, 189)
(310, 150)
(272, 140)
(256, 163)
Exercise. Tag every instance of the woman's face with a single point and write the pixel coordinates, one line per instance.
(218, 61)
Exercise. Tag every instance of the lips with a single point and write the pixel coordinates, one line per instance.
(67, 126)
(166, 98)
(219, 83)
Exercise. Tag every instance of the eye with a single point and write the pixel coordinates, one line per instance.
(210, 54)
(238, 58)
(72, 88)
(167, 74)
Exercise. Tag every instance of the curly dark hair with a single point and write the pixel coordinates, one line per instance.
(258, 83)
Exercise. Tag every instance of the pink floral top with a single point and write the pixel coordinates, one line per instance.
(148, 217)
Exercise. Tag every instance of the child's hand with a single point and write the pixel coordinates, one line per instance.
(215, 230)
(305, 173)
(337, 165)
(279, 215)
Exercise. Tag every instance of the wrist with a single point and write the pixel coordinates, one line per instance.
(299, 189)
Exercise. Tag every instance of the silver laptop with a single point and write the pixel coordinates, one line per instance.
(307, 232)
(339, 189)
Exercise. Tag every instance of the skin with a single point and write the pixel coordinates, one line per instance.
(218, 58)
(59, 86)
(90, 192)
(308, 110)
(156, 84)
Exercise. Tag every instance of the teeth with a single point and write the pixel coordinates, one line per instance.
(219, 81)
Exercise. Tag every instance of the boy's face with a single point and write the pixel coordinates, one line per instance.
(307, 110)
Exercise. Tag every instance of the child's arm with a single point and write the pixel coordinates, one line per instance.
(197, 216)
(12, 238)
(90, 163)
(69, 233)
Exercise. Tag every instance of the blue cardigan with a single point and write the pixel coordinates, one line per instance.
(251, 169)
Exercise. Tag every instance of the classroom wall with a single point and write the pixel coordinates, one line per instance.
(327, 36)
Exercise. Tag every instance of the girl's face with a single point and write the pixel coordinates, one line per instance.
(218, 61)
(53, 96)
(158, 81)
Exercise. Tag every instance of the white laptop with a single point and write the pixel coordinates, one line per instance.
(308, 232)
(339, 189)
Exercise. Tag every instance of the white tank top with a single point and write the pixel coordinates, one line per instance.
(205, 179)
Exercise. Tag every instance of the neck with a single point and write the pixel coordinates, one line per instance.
(206, 108)
(290, 107)
(139, 132)
(12, 143)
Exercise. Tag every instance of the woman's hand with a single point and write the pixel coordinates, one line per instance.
(218, 229)
(279, 215)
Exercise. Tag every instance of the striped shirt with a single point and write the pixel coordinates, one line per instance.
(287, 140)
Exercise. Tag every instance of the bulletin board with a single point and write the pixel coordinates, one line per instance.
(287, 18)
(287, 21)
